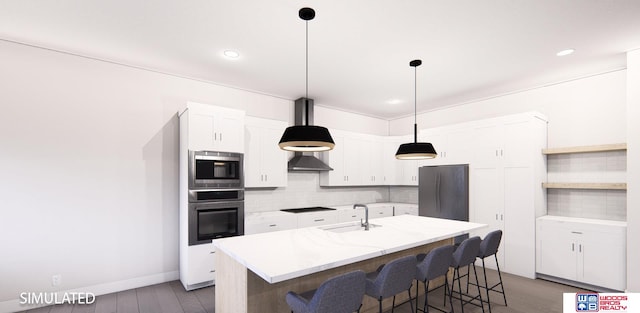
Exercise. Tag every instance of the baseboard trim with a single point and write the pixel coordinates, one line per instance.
(14, 305)
(578, 284)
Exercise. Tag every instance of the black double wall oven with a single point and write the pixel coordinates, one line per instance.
(216, 196)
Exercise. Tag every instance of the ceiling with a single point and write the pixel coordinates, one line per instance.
(359, 50)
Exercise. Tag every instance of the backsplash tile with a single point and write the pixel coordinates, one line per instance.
(596, 204)
(303, 190)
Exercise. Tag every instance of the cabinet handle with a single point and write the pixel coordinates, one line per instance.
(496, 216)
(576, 232)
(215, 136)
(212, 252)
(212, 271)
(573, 247)
(266, 178)
(273, 225)
(220, 136)
(580, 248)
(261, 177)
(502, 217)
(319, 220)
(496, 152)
(501, 152)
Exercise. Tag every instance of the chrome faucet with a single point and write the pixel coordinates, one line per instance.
(366, 215)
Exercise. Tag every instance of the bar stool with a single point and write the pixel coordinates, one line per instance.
(393, 278)
(431, 266)
(465, 255)
(339, 294)
(488, 247)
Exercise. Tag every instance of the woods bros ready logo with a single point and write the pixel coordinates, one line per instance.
(593, 302)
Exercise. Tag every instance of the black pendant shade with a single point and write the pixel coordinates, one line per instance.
(306, 138)
(416, 150)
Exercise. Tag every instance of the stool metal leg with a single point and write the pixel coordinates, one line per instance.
(501, 285)
(486, 285)
(478, 285)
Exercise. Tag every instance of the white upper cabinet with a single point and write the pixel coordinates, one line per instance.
(215, 128)
(390, 167)
(345, 159)
(265, 164)
(371, 160)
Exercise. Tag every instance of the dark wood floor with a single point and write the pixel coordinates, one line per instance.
(523, 296)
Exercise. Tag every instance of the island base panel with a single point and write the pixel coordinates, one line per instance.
(239, 290)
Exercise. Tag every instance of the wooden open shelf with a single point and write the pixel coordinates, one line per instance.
(603, 186)
(585, 149)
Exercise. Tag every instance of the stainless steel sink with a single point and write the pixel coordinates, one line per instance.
(343, 228)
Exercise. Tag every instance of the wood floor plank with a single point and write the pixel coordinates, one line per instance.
(167, 299)
(127, 302)
(188, 300)
(148, 300)
(107, 303)
(206, 296)
(84, 308)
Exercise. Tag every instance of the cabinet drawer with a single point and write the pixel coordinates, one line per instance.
(263, 224)
(380, 211)
(350, 215)
(406, 209)
(317, 219)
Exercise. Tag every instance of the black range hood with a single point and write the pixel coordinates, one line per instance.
(305, 161)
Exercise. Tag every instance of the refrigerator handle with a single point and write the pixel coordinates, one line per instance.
(438, 191)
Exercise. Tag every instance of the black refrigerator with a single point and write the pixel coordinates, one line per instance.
(444, 193)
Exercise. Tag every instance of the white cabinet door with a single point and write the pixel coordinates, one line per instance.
(265, 163)
(215, 128)
(519, 221)
(201, 132)
(371, 161)
(229, 133)
(487, 206)
(603, 268)
(201, 267)
(335, 159)
(352, 161)
(390, 163)
(345, 159)
(556, 251)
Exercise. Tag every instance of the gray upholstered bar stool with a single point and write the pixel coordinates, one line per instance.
(339, 294)
(431, 266)
(488, 247)
(465, 256)
(392, 279)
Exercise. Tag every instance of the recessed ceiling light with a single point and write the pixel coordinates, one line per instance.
(231, 54)
(394, 101)
(565, 52)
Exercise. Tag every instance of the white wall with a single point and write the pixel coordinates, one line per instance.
(586, 111)
(89, 174)
(633, 170)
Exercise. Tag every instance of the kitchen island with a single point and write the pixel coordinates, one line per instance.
(255, 272)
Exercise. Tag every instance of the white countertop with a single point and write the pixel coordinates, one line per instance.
(283, 255)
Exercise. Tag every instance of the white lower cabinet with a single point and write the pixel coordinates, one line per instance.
(201, 269)
(268, 222)
(377, 211)
(586, 251)
(402, 209)
(350, 215)
(317, 218)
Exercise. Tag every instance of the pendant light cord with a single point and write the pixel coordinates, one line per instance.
(415, 104)
(306, 78)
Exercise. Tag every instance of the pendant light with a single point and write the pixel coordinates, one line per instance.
(306, 138)
(415, 150)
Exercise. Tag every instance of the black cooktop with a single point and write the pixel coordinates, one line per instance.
(305, 210)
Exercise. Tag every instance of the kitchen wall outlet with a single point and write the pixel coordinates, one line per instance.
(56, 280)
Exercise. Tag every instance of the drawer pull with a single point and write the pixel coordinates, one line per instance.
(319, 220)
(212, 252)
(576, 232)
(212, 271)
(273, 225)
